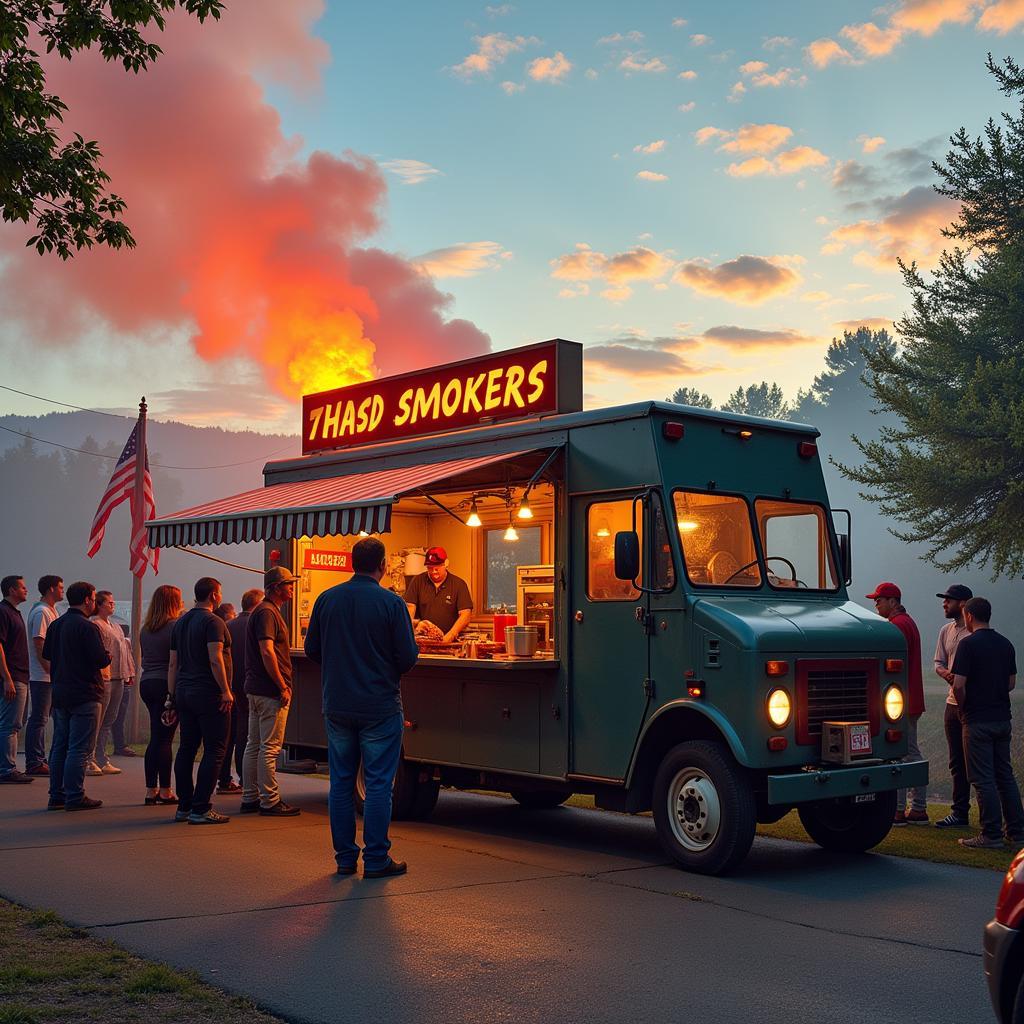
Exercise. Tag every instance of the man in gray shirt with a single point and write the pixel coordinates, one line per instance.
(43, 612)
(950, 635)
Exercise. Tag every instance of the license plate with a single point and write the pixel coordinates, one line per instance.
(864, 798)
(860, 739)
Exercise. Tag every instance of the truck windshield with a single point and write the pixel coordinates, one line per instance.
(717, 539)
(795, 540)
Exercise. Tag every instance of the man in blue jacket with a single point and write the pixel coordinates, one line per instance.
(361, 636)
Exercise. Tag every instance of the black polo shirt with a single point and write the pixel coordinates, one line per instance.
(14, 641)
(439, 605)
(266, 623)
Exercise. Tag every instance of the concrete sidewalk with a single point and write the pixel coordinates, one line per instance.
(565, 915)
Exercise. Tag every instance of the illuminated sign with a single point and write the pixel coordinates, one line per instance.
(329, 561)
(531, 381)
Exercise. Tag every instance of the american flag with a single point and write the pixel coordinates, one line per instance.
(122, 486)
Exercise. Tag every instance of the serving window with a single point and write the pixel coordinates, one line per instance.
(717, 539)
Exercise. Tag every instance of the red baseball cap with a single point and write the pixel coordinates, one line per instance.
(885, 590)
(435, 556)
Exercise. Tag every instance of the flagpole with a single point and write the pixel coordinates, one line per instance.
(138, 498)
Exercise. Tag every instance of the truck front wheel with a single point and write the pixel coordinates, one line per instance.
(848, 827)
(704, 808)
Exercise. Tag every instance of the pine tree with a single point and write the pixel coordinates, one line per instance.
(691, 396)
(952, 472)
(841, 384)
(762, 399)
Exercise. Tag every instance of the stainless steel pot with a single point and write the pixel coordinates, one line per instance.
(521, 641)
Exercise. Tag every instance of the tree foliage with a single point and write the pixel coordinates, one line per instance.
(691, 396)
(841, 383)
(952, 471)
(762, 399)
(48, 178)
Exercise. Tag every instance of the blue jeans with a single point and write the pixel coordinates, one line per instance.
(35, 731)
(74, 732)
(120, 739)
(379, 744)
(12, 718)
(115, 693)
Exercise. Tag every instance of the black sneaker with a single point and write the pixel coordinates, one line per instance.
(281, 810)
(55, 805)
(249, 808)
(347, 869)
(15, 778)
(952, 821)
(393, 867)
(85, 804)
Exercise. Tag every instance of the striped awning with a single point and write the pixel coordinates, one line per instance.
(306, 508)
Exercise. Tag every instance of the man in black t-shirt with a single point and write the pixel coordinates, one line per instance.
(984, 673)
(199, 690)
(268, 687)
(439, 602)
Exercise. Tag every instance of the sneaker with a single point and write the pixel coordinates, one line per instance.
(85, 804)
(393, 867)
(982, 842)
(249, 808)
(92, 768)
(110, 769)
(280, 810)
(346, 869)
(917, 818)
(900, 819)
(55, 805)
(210, 817)
(38, 769)
(15, 778)
(952, 821)
(229, 787)
(125, 752)
(180, 815)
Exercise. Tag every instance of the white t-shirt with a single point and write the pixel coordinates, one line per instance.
(39, 618)
(945, 650)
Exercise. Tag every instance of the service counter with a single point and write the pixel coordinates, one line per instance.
(487, 713)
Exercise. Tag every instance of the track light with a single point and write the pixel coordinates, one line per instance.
(473, 519)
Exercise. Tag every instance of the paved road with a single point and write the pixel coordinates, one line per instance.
(563, 915)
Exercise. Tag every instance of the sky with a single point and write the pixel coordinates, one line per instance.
(702, 194)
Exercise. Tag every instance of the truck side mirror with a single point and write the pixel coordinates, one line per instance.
(845, 557)
(627, 555)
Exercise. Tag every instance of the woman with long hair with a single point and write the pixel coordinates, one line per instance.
(165, 607)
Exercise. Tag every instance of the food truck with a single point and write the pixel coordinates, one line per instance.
(682, 641)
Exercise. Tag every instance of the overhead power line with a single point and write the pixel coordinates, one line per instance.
(67, 405)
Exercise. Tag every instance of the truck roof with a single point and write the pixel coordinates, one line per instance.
(535, 425)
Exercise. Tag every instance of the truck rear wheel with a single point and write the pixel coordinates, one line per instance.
(704, 808)
(846, 827)
(540, 799)
(411, 800)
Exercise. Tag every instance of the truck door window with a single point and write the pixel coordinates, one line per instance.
(796, 545)
(663, 571)
(717, 539)
(604, 520)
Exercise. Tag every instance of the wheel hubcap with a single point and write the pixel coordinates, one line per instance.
(695, 810)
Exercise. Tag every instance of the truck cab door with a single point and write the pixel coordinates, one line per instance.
(609, 642)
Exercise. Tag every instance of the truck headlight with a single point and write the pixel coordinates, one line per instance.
(779, 708)
(893, 703)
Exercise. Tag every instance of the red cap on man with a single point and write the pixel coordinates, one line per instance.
(435, 556)
(885, 590)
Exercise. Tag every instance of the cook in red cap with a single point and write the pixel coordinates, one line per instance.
(438, 601)
(886, 590)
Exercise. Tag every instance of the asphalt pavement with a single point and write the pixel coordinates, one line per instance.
(506, 914)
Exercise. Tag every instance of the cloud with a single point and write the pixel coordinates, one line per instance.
(462, 260)
(751, 167)
(219, 400)
(699, 39)
(492, 49)
(750, 138)
(585, 264)
(651, 176)
(823, 52)
(818, 296)
(638, 62)
(652, 147)
(687, 76)
(778, 42)
(411, 172)
(777, 79)
(1002, 17)
(632, 361)
(747, 338)
(748, 280)
(511, 88)
(853, 176)
(736, 93)
(245, 247)
(871, 40)
(928, 16)
(499, 10)
(685, 108)
(619, 37)
(908, 226)
(679, 23)
(550, 69)
(789, 161)
(752, 67)
(870, 143)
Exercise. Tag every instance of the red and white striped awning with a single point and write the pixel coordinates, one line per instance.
(307, 508)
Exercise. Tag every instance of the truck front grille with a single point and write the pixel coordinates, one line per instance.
(840, 691)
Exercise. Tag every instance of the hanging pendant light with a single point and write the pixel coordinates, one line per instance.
(473, 519)
(525, 512)
(510, 533)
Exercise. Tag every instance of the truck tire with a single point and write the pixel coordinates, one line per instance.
(404, 793)
(540, 799)
(704, 808)
(846, 827)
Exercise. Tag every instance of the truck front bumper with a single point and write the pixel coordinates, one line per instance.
(826, 783)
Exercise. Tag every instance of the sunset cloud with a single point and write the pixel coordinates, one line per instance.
(778, 42)
(789, 161)
(870, 143)
(621, 37)
(752, 67)
(871, 40)
(778, 78)
(699, 39)
(823, 52)
(750, 138)
(1002, 17)
(685, 108)
(687, 76)
(492, 49)
(651, 176)
(463, 260)
(637, 264)
(641, 64)
(747, 338)
(928, 16)
(633, 361)
(748, 280)
(411, 172)
(652, 147)
(550, 69)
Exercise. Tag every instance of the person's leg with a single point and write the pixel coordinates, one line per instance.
(40, 694)
(99, 725)
(380, 745)
(12, 714)
(120, 738)
(164, 758)
(981, 770)
(59, 753)
(224, 778)
(113, 706)
(251, 755)
(213, 724)
(918, 794)
(957, 764)
(272, 723)
(343, 763)
(151, 760)
(81, 733)
(240, 714)
(1006, 783)
(188, 747)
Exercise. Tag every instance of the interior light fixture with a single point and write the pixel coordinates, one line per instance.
(473, 519)
(602, 529)
(510, 533)
(687, 525)
(525, 512)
